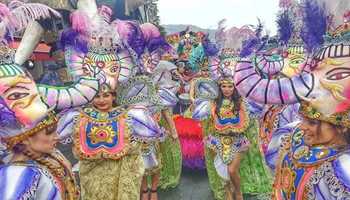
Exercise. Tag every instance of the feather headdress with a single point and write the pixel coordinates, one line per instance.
(314, 25)
(285, 27)
(17, 15)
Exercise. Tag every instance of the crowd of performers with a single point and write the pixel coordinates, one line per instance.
(263, 115)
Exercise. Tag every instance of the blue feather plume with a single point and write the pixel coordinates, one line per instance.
(285, 27)
(252, 44)
(314, 25)
(210, 48)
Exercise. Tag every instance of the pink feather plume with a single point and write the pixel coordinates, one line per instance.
(18, 14)
(80, 22)
(150, 31)
(4, 11)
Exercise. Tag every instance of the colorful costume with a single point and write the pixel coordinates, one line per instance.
(169, 149)
(26, 110)
(201, 88)
(303, 171)
(106, 144)
(227, 134)
(252, 162)
(123, 49)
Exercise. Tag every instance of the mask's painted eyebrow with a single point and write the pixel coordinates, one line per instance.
(336, 69)
(15, 87)
(19, 79)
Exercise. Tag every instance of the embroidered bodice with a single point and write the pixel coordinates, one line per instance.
(229, 121)
(111, 135)
(101, 135)
(305, 172)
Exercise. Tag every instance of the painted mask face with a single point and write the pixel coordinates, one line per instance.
(150, 61)
(293, 62)
(116, 67)
(22, 97)
(229, 63)
(332, 85)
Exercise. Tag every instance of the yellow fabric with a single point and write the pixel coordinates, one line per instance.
(112, 179)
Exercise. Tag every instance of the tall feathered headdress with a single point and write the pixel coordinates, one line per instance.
(314, 25)
(252, 44)
(285, 27)
(17, 15)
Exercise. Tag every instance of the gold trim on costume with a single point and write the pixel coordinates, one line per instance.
(339, 119)
(50, 121)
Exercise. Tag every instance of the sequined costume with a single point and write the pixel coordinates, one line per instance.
(305, 169)
(217, 127)
(305, 172)
(34, 180)
(106, 144)
(225, 142)
(26, 110)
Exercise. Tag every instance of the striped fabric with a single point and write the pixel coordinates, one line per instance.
(26, 182)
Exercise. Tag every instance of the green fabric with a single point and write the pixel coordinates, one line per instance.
(255, 178)
(170, 155)
(217, 185)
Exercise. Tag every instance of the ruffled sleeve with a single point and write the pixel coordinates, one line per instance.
(66, 125)
(142, 124)
(26, 182)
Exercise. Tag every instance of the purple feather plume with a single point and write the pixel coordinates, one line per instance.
(74, 39)
(7, 116)
(209, 47)
(315, 25)
(285, 27)
(254, 43)
(248, 47)
(158, 43)
(132, 34)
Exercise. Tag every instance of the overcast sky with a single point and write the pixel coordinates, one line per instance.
(206, 13)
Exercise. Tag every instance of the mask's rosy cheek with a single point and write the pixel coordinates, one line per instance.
(22, 117)
(347, 93)
(344, 105)
(2, 88)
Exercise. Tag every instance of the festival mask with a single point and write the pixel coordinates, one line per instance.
(332, 86)
(150, 60)
(19, 92)
(294, 61)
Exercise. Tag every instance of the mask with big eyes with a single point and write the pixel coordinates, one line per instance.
(116, 66)
(228, 63)
(22, 97)
(332, 86)
(150, 61)
(293, 64)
